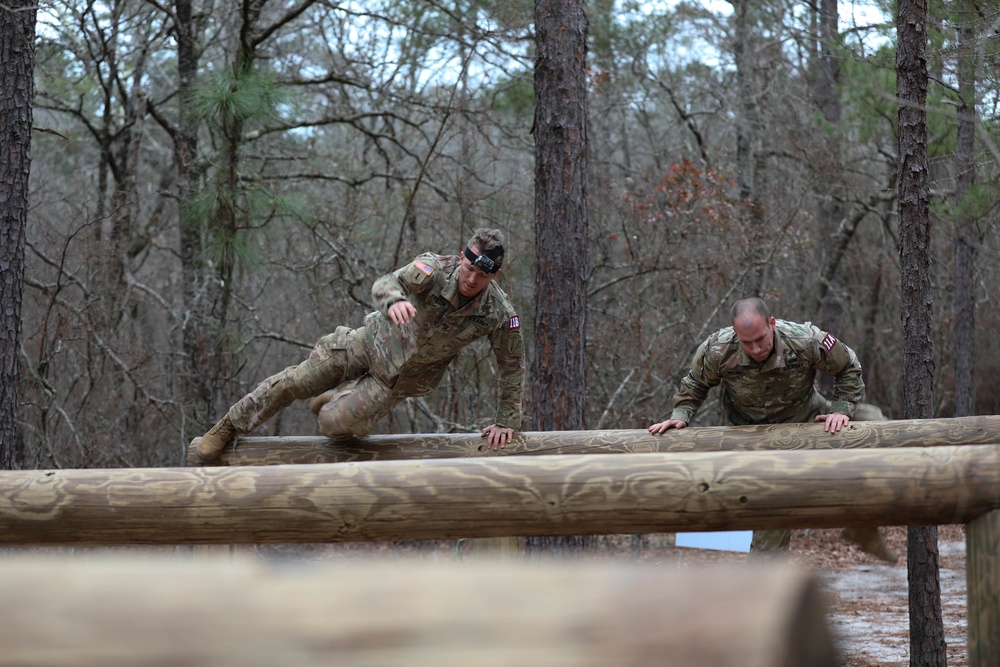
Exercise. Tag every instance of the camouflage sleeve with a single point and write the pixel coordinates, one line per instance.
(839, 361)
(695, 386)
(508, 349)
(415, 277)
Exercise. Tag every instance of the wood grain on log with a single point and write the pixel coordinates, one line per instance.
(250, 450)
(507, 496)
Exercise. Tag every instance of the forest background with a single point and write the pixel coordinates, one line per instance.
(215, 185)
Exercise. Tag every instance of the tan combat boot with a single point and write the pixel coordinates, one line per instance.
(211, 444)
(871, 541)
(317, 403)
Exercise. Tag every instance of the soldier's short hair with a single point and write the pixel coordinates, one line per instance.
(751, 306)
(488, 240)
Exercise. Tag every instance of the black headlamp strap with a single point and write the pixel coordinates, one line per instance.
(488, 262)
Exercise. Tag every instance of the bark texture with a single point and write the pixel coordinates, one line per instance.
(560, 214)
(17, 64)
(560, 128)
(965, 232)
(927, 646)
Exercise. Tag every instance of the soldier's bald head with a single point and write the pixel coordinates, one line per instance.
(750, 308)
(754, 328)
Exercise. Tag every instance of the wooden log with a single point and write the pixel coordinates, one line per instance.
(982, 571)
(509, 496)
(134, 613)
(252, 450)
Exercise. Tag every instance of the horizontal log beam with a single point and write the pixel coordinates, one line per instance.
(551, 495)
(215, 613)
(899, 433)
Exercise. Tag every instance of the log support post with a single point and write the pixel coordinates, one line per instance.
(983, 581)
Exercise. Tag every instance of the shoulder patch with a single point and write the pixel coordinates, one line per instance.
(828, 342)
(515, 323)
(417, 272)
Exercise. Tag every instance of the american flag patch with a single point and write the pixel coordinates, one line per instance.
(423, 267)
(515, 323)
(828, 342)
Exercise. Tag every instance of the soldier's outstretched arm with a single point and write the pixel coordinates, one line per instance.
(395, 287)
(833, 357)
(508, 349)
(694, 387)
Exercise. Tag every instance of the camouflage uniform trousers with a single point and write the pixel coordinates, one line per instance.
(338, 361)
(768, 544)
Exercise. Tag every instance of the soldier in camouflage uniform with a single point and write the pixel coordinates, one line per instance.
(766, 370)
(427, 312)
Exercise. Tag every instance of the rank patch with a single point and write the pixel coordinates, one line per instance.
(828, 342)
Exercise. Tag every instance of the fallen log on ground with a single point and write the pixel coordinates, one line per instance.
(523, 496)
(138, 612)
(251, 450)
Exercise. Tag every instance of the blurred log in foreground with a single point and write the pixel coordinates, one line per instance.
(152, 611)
(253, 450)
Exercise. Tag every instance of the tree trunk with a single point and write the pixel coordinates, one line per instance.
(17, 44)
(927, 646)
(829, 191)
(560, 128)
(965, 248)
(747, 136)
(196, 341)
(560, 215)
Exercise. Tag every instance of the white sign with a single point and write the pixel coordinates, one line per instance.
(728, 540)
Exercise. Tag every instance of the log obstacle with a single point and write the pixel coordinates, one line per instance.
(153, 611)
(982, 571)
(253, 450)
(506, 496)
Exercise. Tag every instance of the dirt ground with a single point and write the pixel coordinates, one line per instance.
(867, 598)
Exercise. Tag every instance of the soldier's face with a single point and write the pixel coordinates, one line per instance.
(471, 280)
(756, 336)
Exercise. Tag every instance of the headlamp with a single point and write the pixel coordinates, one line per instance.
(486, 263)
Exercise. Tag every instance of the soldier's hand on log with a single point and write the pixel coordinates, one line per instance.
(497, 436)
(664, 426)
(401, 312)
(834, 421)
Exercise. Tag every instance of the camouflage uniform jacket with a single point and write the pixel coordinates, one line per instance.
(779, 390)
(412, 358)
